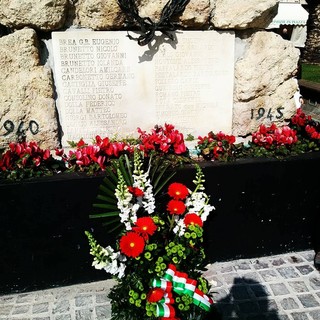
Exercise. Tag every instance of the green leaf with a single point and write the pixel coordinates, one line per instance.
(128, 164)
(112, 176)
(106, 190)
(107, 199)
(111, 221)
(127, 178)
(104, 206)
(118, 226)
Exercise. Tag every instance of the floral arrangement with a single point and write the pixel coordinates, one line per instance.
(158, 257)
(272, 141)
(301, 135)
(307, 129)
(96, 156)
(24, 160)
(162, 139)
(216, 146)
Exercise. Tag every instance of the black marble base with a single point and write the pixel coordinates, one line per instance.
(263, 207)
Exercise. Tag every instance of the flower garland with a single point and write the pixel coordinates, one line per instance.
(159, 253)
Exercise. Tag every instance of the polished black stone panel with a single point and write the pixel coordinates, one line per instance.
(263, 207)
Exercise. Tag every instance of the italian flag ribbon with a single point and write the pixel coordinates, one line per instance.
(180, 283)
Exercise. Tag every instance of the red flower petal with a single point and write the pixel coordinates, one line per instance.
(145, 225)
(155, 295)
(136, 191)
(178, 191)
(192, 218)
(132, 244)
(176, 207)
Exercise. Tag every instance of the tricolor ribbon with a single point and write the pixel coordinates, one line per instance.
(180, 283)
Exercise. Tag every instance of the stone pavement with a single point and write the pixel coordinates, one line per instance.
(282, 287)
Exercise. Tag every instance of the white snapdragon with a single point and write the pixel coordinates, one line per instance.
(128, 211)
(180, 227)
(143, 182)
(110, 261)
(198, 203)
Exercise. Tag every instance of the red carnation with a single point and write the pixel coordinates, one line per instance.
(132, 244)
(155, 295)
(145, 226)
(178, 191)
(136, 191)
(192, 218)
(176, 207)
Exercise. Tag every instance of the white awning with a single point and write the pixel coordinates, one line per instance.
(289, 13)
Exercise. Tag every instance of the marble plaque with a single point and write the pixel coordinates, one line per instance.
(108, 85)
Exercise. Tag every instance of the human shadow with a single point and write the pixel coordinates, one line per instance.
(247, 300)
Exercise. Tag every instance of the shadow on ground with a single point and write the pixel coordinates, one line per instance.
(247, 300)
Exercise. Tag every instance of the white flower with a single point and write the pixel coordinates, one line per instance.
(180, 227)
(112, 262)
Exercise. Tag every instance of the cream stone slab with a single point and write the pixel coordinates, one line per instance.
(109, 85)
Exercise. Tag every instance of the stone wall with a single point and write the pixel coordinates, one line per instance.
(264, 62)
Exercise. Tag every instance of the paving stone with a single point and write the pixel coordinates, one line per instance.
(298, 286)
(227, 309)
(289, 304)
(83, 300)
(267, 305)
(315, 283)
(288, 272)
(44, 296)
(84, 314)
(61, 306)
(258, 265)
(249, 307)
(40, 307)
(226, 269)
(304, 270)
(7, 299)
(308, 255)
(308, 300)
(215, 282)
(5, 310)
(103, 312)
(259, 290)
(295, 259)
(102, 298)
(299, 316)
(276, 316)
(21, 309)
(269, 275)
(232, 278)
(240, 293)
(251, 277)
(63, 317)
(243, 266)
(315, 314)
(278, 262)
(220, 294)
(25, 298)
(279, 289)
